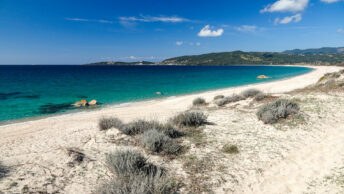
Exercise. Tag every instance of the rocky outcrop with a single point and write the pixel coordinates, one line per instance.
(262, 77)
(80, 103)
(93, 102)
(83, 103)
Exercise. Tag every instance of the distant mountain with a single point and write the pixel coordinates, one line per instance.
(121, 63)
(324, 50)
(254, 58)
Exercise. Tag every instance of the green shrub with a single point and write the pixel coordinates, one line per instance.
(3, 171)
(189, 119)
(260, 96)
(140, 126)
(135, 176)
(123, 162)
(156, 141)
(250, 93)
(198, 102)
(107, 123)
(230, 149)
(218, 97)
(273, 111)
(140, 184)
(169, 130)
(227, 100)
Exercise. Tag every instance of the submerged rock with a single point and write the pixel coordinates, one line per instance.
(4, 96)
(54, 108)
(159, 93)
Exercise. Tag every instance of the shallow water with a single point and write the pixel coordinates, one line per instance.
(31, 91)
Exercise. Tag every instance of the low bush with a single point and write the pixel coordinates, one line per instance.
(218, 97)
(260, 96)
(198, 102)
(156, 141)
(230, 149)
(273, 111)
(169, 130)
(250, 93)
(134, 175)
(123, 162)
(140, 126)
(229, 99)
(189, 119)
(107, 123)
(3, 171)
(140, 184)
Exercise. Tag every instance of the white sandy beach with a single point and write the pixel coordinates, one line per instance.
(35, 150)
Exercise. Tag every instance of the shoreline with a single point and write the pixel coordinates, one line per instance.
(36, 152)
(225, 91)
(144, 101)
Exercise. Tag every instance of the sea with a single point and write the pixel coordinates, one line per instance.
(34, 91)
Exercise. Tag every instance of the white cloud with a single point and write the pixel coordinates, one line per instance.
(330, 1)
(89, 20)
(142, 18)
(286, 6)
(179, 43)
(340, 30)
(286, 20)
(207, 32)
(198, 44)
(246, 28)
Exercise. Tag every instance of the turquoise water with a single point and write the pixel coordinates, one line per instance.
(31, 91)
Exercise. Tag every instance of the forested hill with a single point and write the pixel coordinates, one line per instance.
(324, 50)
(121, 63)
(255, 58)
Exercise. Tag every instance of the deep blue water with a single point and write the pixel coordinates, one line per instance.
(30, 91)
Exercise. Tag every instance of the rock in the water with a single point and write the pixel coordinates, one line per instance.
(93, 102)
(158, 93)
(81, 103)
(263, 77)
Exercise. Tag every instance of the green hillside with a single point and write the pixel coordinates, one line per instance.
(324, 50)
(254, 58)
(121, 63)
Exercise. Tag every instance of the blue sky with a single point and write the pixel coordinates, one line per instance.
(83, 31)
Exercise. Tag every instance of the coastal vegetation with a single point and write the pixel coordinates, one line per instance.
(229, 99)
(107, 123)
(3, 170)
(156, 141)
(274, 111)
(218, 97)
(199, 102)
(250, 93)
(133, 174)
(189, 119)
(230, 149)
